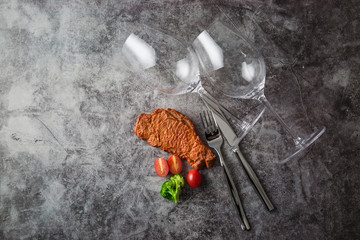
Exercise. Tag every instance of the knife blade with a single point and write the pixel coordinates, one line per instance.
(232, 138)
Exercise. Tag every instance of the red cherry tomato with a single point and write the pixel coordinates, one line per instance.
(175, 164)
(161, 167)
(194, 178)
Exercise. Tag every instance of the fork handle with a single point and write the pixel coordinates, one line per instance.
(254, 180)
(235, 195)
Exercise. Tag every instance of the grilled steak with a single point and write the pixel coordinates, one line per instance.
(174, 133)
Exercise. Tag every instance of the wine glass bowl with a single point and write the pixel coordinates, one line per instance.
(162, 61)
(222, 51)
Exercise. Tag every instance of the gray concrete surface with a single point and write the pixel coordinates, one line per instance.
(71, 166)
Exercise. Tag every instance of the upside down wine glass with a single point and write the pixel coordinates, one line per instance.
(167, 65)
(234, 66)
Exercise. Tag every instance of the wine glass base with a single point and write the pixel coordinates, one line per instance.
(304, 144)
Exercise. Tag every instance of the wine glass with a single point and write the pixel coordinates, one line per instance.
(237, 69)
(167, 65)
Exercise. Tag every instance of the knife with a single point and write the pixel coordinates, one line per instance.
(232, 140)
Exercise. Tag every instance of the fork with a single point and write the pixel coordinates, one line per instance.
(215, 141)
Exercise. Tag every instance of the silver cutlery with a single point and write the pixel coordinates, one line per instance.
(215, 141)
(232, 140)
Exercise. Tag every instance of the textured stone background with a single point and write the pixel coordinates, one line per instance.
(72, 168)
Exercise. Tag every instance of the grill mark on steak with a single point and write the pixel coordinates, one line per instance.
(174, 132)
(181, 119)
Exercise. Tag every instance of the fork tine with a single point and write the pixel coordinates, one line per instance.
(208, 121)
(206, 118)
(212, 121)
(203, 120)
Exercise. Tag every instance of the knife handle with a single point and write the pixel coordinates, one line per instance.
(254, 180)
(235, 195)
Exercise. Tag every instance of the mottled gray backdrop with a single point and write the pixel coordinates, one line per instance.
(72, 168)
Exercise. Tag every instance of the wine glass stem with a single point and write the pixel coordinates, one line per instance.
(264, 100)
